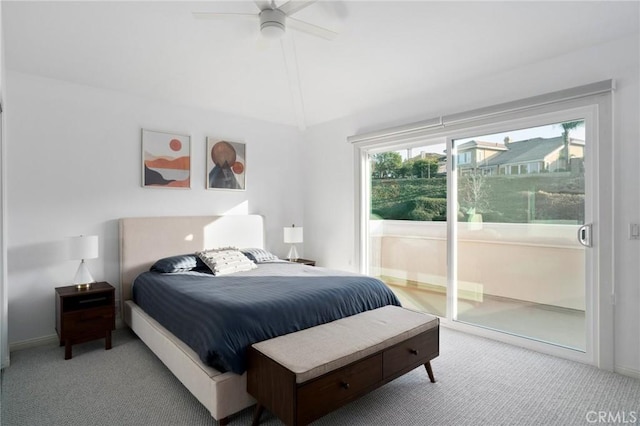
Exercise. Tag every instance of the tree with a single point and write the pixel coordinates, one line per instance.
(473, 192)
(405, 170)
(386, 164)
(425, 167)
(567, 127)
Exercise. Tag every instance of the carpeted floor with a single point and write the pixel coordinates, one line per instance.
(479, 382)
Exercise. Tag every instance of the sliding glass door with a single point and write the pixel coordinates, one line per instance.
(520, 266)
(488, 227)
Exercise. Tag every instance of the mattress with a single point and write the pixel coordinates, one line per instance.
(219, 317)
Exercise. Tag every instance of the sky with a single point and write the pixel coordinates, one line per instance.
(547, 131)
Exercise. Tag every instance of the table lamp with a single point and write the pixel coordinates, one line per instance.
(292, 235)
(83, 247)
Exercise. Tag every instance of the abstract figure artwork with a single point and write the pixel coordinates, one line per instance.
(226, 164)
(166, 160)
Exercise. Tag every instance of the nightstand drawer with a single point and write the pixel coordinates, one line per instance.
(88, 321)
(333, 390)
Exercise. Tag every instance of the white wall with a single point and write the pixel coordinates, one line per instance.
(330, 186)
(74, 168)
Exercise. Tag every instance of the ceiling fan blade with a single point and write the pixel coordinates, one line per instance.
(215, 15)
(312, 29)
(293, 6)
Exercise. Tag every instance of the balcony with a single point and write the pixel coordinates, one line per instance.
(523, 279)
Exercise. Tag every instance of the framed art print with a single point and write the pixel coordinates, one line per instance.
(166, 160)
(226, 164)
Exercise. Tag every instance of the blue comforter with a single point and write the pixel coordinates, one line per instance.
(220, 316)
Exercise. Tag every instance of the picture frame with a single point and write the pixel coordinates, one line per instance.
(226, 165)
(166, 160)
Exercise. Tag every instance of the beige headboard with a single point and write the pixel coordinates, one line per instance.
(143, 240)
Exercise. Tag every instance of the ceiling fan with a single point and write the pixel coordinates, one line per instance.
(274, 20)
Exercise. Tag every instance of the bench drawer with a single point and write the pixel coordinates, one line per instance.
(325, 394)
(409, 354)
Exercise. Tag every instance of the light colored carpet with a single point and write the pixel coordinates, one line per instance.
(479, 382)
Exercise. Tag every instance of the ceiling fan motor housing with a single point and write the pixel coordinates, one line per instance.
(272, 23)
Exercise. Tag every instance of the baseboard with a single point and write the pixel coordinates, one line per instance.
(626, 371)
(31, 343)
(46, 340)
(5, 362)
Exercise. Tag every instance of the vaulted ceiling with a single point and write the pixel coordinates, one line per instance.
(385, 51)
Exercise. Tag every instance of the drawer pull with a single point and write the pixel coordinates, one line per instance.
(414, 351)
(344, 385)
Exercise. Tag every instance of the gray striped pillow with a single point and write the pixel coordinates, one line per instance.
(259, 255)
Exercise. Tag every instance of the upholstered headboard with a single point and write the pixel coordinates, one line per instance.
(143, 240)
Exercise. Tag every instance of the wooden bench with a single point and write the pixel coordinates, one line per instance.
(303, 376)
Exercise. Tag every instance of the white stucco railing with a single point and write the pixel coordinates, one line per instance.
(537, 263)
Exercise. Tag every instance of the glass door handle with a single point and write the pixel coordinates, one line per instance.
(584, 235)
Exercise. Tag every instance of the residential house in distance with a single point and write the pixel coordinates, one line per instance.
(538, 155)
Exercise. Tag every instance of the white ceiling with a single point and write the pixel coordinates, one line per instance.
(386, 50)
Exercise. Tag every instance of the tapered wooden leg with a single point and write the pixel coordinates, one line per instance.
(67, 349)
(257, 414)
(223, 421)
(107, 340)
(427, 365)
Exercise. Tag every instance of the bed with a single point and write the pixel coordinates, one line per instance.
(145, 240)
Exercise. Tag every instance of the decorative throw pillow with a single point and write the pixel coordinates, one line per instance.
(226, 260)
(259, 255)
(179, 263)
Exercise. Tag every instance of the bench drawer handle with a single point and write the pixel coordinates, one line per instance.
(344, 385)
(414, 351)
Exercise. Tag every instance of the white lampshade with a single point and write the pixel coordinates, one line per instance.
(83, 247)
(293, 235)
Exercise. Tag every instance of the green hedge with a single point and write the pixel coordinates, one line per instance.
(512, 199)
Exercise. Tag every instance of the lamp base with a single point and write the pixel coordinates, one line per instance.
(293, 253)
(83, 278)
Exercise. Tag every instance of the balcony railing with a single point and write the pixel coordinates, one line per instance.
(537, 263)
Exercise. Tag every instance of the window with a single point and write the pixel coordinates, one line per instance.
(533, 168)
(464, 158)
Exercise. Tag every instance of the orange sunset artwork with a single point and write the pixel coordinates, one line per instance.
(166, 160)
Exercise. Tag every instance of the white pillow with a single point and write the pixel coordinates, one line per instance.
(226, 260)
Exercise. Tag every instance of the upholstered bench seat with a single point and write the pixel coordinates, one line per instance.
(315, 351)
(304, 375)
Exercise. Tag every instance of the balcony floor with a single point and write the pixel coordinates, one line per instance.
(551, 324)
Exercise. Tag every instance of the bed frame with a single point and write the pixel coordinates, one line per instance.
(144, 240)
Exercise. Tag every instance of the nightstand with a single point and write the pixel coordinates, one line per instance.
(304, 261)
(83, 315)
